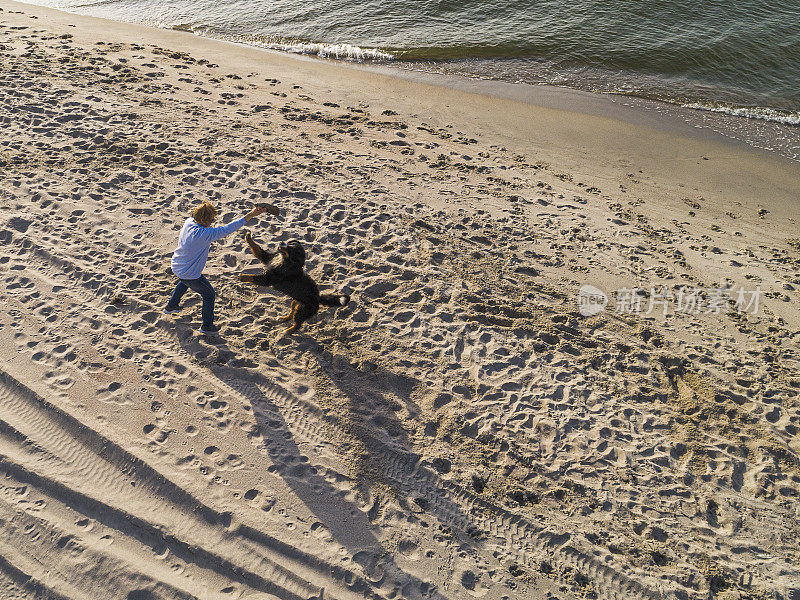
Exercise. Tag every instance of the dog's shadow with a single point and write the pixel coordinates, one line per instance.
(374, 392)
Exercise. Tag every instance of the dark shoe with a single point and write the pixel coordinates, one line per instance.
(209, 329)
(169, 311)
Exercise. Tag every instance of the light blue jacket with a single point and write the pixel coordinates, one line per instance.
(194, 242)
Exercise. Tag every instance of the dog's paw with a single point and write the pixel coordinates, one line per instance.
(289, 331)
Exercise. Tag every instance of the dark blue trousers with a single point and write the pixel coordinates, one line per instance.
(202, 286)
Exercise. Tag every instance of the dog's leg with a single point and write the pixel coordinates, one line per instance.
(292, 310)
(257, 251)
(247, 278)
(302, 314)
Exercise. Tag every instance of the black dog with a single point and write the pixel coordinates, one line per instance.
(284, 272)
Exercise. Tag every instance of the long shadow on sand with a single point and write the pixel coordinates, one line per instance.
(346, 522)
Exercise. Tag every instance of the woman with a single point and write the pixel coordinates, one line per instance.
(190, 257)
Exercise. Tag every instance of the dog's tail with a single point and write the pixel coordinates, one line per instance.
(334, 299)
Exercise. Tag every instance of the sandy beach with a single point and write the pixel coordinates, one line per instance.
(464, 428)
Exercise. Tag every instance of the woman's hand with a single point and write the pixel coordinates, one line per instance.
(258, 210)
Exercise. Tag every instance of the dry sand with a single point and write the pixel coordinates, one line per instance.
(459, 430)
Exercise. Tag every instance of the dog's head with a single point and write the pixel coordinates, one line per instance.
(293, 253)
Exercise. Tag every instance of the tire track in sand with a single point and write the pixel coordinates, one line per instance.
(40, 443)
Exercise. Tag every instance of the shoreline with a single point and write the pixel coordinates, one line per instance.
(687, 105)
(607, 105)
(602, 105)
(651, 113)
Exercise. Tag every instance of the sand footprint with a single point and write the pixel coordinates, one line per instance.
(471, 581)
(409, 548)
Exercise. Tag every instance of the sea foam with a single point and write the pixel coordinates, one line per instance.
(755, 112)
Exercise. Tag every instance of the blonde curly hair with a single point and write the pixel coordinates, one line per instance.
(204, 213)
